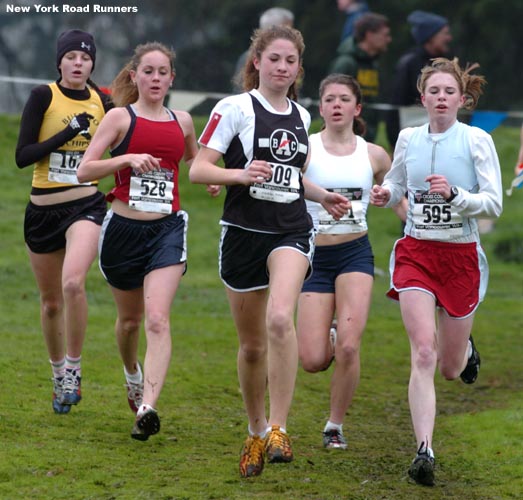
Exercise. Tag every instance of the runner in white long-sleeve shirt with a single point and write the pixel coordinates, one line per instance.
(439, 271)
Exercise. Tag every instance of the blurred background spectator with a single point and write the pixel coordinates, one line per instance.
(353, 10)
(358, 56)
(432, 35)
(275, 16)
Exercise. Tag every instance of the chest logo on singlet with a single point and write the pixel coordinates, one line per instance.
(284, 145)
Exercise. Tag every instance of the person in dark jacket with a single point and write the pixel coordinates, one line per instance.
(353, 10)
(358, 57)
(432, 35)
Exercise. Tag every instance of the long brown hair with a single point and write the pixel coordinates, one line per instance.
(359, 126)
(123, 90)
(260, 40)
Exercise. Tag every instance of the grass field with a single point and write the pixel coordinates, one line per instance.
(89, 454)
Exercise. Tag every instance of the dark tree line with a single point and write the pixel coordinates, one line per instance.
(484, 31)
(209, 35)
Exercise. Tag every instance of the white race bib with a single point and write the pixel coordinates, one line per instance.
(435, 219)
(152, 191)
(351, 222)
(63, 166)
(282, 187)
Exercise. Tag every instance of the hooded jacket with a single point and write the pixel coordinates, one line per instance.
(354, 61)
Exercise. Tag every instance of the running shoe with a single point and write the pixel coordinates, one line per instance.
(252, 457)
(134, 393)
(471, 371)
(278, 446)
(333, 439)
(422, 467)
(57, 396)
(146, 424)
(333, 333)
(71, 388)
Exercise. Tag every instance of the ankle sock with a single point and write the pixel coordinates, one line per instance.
(269, 429)
(329, 426)
(73, 364)
(58, 368)
(260, 434)
(427, 450)
(134, 378)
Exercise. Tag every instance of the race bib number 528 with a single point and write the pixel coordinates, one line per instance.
(152, 191)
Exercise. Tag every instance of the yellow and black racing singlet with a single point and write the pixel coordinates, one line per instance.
(59, 168)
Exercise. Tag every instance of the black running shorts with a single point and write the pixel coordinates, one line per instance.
(45, 225)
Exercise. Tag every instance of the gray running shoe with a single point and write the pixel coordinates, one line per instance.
(57, 397)
(333, 439)
(71, 388)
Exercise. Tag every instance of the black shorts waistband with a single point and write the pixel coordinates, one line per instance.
(65, 204)
(140, 222)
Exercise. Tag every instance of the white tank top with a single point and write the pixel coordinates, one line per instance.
(350, 175)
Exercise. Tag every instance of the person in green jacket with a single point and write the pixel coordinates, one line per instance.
(358, 56)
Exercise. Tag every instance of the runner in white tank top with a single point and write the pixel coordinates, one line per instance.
(343, 264)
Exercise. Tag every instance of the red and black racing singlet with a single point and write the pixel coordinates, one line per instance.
(154, 191)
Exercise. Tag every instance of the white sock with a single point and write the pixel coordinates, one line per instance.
(428, 450)
(73, 364)
(260, 434)
(469, 350)
(329, 426)
(134, 378)
(269, 429)
(58, 368)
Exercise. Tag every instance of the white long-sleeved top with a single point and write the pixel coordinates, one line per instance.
(467, 157)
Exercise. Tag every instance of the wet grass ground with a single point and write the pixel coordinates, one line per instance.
(88, 454)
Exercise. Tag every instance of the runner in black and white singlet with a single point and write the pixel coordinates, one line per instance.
(272, 205)
(343, 265)
(143, 245)
(63, 217)
(439, 271)
(267, 236)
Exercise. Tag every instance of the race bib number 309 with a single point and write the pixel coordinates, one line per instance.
(282, 187)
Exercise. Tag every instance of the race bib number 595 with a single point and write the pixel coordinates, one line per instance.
(433, 218)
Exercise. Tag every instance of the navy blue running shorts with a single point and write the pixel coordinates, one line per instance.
(130, 249)
(243, 255)
(45, 225)
(332, 260)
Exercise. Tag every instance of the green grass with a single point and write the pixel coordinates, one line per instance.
(89, 454)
